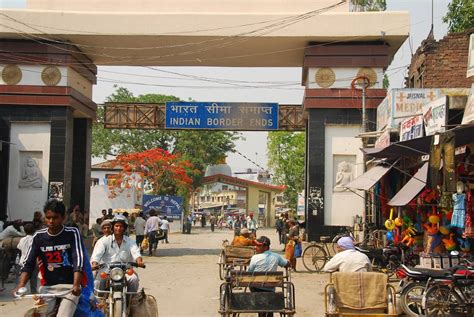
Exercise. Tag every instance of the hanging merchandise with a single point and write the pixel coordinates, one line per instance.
(459, 202)
(449, 244)
(390, 223)
(469, 225)
(442, 148)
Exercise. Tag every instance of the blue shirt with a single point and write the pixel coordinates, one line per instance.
(266, 262)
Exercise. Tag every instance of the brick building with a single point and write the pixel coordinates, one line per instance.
(441, 64)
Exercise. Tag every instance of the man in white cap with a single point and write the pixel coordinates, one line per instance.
(348, 259)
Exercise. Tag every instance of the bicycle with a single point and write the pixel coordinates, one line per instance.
(315, 256)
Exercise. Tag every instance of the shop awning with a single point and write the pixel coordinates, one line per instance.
(421, 146)
(369, 178)
(411, 189)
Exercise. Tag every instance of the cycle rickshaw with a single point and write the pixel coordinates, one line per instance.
(236, 294)
(232, 257)
(359, 294)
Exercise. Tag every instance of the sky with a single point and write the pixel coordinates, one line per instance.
(253, 144)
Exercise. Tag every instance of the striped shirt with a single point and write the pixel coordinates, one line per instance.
(60, 255)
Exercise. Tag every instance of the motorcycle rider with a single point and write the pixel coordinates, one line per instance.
(60, 250)
(113, 248)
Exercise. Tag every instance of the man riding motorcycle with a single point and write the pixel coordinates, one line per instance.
(117, 248)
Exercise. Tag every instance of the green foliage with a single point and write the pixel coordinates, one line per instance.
(370, 5)
(201, 148)
(460, 15)
(286, 153)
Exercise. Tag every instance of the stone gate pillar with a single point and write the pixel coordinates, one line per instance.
(333, 155)
(46, 113)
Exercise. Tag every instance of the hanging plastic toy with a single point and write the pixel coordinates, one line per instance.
(449, 244)
(390, 223)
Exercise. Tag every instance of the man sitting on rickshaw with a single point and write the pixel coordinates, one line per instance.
(348, 259)
(243, 239)
(265, 261)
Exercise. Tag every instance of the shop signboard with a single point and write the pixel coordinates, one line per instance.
(384, 113)
(222, 116)
(403, 103)
(470, 60)
(171, 206)
(383, 140)
(434, 115)
(411, 128)
(300, 205)
(469, 110)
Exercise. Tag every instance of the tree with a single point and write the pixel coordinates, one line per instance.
(201, 148)
(165, 173)
(460, 15)
(369, 5)
(286, 153)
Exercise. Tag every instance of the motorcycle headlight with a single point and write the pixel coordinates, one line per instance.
(116, 274)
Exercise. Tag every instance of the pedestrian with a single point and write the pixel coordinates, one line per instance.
(104, 214)
(213, 221)
(291, 245)
(152, 227)
(279, 228)
(265, 261)
(203, 220)
(165, 226)
(96, 231)
(23, 246)
(140, 230)
(285, 230)
(252, 224)
(38, 220)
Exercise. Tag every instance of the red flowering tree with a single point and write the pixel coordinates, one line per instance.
(162, 172)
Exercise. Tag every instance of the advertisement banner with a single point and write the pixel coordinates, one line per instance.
(171, 206)
(222, 116)
(469, 110)
(434, 115)
(300, 205)
(411, 128)
(383, 140)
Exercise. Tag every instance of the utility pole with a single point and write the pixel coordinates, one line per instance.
(364, 113)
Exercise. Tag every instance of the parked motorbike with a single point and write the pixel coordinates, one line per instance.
(386, 259)
(452, 295)
(117, 295)
(412, 286)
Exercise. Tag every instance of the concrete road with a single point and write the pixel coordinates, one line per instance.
(183, 276)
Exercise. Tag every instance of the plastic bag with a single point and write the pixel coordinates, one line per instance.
(145, 244)
(298, 250)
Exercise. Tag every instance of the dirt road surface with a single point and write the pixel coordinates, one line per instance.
(183, 276)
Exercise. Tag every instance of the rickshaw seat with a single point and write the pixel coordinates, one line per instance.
(257, 279)
(361, 293)
(238, 253)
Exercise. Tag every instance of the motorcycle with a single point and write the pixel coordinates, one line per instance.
(412, 286)
(386, 259)
(117, 296)
(452, 295)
